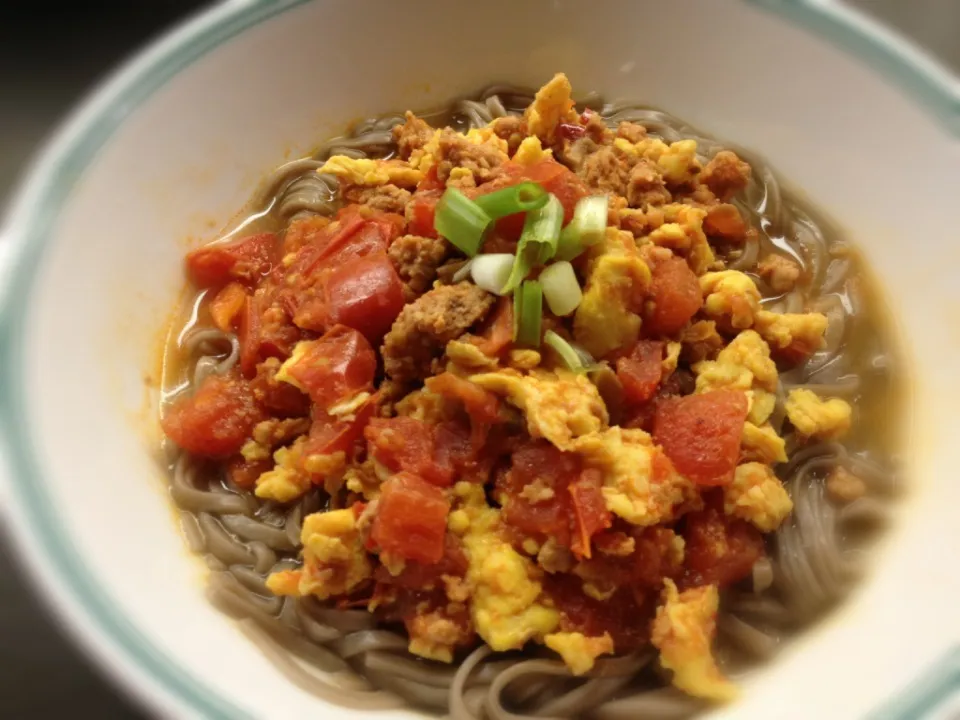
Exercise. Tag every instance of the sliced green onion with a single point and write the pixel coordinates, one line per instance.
(560, 288)
(527, 320)
(461, 221)
(569, 356)
(463, 272)
(524, 197)
(491, 271)
(587, 227)
(538, 242)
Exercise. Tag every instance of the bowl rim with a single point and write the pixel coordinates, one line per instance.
(58, 574)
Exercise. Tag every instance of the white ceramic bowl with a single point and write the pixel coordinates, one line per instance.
(171, 147)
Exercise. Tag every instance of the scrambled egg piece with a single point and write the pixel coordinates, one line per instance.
(559, 406)
(346, 409)
(287, 481)
(744, 364)
(757, 495)
(761, 442)
(688, 220)
(362, 479)
(671, 358)
(616, 281)
(467, 355)
(784, 329)
(433, 635)
(813, 417)
(531, 151)
(334, 560)
(523, 358)
(579, 651)
(424, 158)
(683, 631)
(426, 406)
(505, 605)
(551, 106)
(370, 173)
(730, 296)
(678, 163)
(648, 148)
(632, 486)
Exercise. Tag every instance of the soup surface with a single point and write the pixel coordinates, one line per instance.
(528, 407)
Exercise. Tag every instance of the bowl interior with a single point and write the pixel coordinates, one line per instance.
(165, 161)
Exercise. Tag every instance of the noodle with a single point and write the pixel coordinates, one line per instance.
(343, 656)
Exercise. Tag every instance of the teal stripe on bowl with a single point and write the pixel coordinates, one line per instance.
(35, 216)
(937, 685)
(888, 54)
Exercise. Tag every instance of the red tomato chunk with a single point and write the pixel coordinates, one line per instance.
(719, 550)
(245, 260)
(701, 433)
(216, 420)
(411, 519)
(641, 370)
(365, 293)
(334, 367)
(406, 444)
(676, 296)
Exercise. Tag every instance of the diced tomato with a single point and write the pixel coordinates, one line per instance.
(372, 237)
(365, 293)
(329, 435)
(244, 473)
(554, 177)
(431, 181)
(226, 306)
(498, 334)
(655, 557)
(327, 243)
(245, 260)
(571, 131)
(640, 371)
(701, 433)
(482, 406)
(265, 332)
(625, 615)
(216, 420)
(334, 367)
(417, 576)
(304, 231)
(404, 443)
(590, 510)
(278, 398)
(411, 519)
(718, 550)
(423, 211)
(676, 296)
(542, 464)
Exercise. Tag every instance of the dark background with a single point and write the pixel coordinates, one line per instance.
(50, 57)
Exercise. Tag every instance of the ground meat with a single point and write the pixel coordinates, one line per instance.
(645, 186)
(596, 129)
(606, 171)
(416, 260)
(511, 128)
(725, 174)
(388, 394)
(724, 222)
(631, 132)
(385, 198)
(700, 341)
(455, 151)
(843, 486)
(425, 326)
(412, 135)
(780, 273)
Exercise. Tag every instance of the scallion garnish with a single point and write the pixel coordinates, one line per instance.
(524, 197)
(560, 288)
(569, 356)
(528, 312)
(538, 242)
(587, 227)
(461, 221)
(491, 271)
